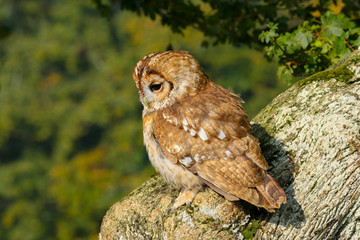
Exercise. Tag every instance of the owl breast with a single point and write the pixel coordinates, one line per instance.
(173, 173)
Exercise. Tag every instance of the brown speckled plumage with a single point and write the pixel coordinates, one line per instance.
(197, 133)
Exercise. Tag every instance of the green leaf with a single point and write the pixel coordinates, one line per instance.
(355, 30)
(318, 43)
(357, 42)
(304, 38)
(340, 46)
(285, 73)
(268, 36)
(337, 31)
(326, 48)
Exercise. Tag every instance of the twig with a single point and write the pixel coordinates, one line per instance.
(352, 49)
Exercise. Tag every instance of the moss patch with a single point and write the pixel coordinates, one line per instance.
(341, 74)
(208, 220)
(250, 230)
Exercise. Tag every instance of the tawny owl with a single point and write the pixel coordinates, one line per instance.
(196, 133)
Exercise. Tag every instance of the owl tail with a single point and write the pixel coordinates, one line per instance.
(273, 193)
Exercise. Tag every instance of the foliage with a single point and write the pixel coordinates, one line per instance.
(300, 44)
(312, 46)
(70, 119)
(61, 163)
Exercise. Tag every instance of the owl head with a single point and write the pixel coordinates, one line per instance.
(165, 77)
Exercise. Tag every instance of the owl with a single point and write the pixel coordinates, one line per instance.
(197, 133)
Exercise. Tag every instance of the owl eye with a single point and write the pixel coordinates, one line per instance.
(155, 87)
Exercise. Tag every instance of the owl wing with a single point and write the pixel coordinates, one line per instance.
(210, 135)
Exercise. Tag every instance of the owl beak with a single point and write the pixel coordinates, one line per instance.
(145, 102)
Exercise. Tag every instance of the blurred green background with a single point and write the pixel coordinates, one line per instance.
(70, 120)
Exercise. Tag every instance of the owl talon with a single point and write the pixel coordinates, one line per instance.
(186, 196)
(172, 208)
